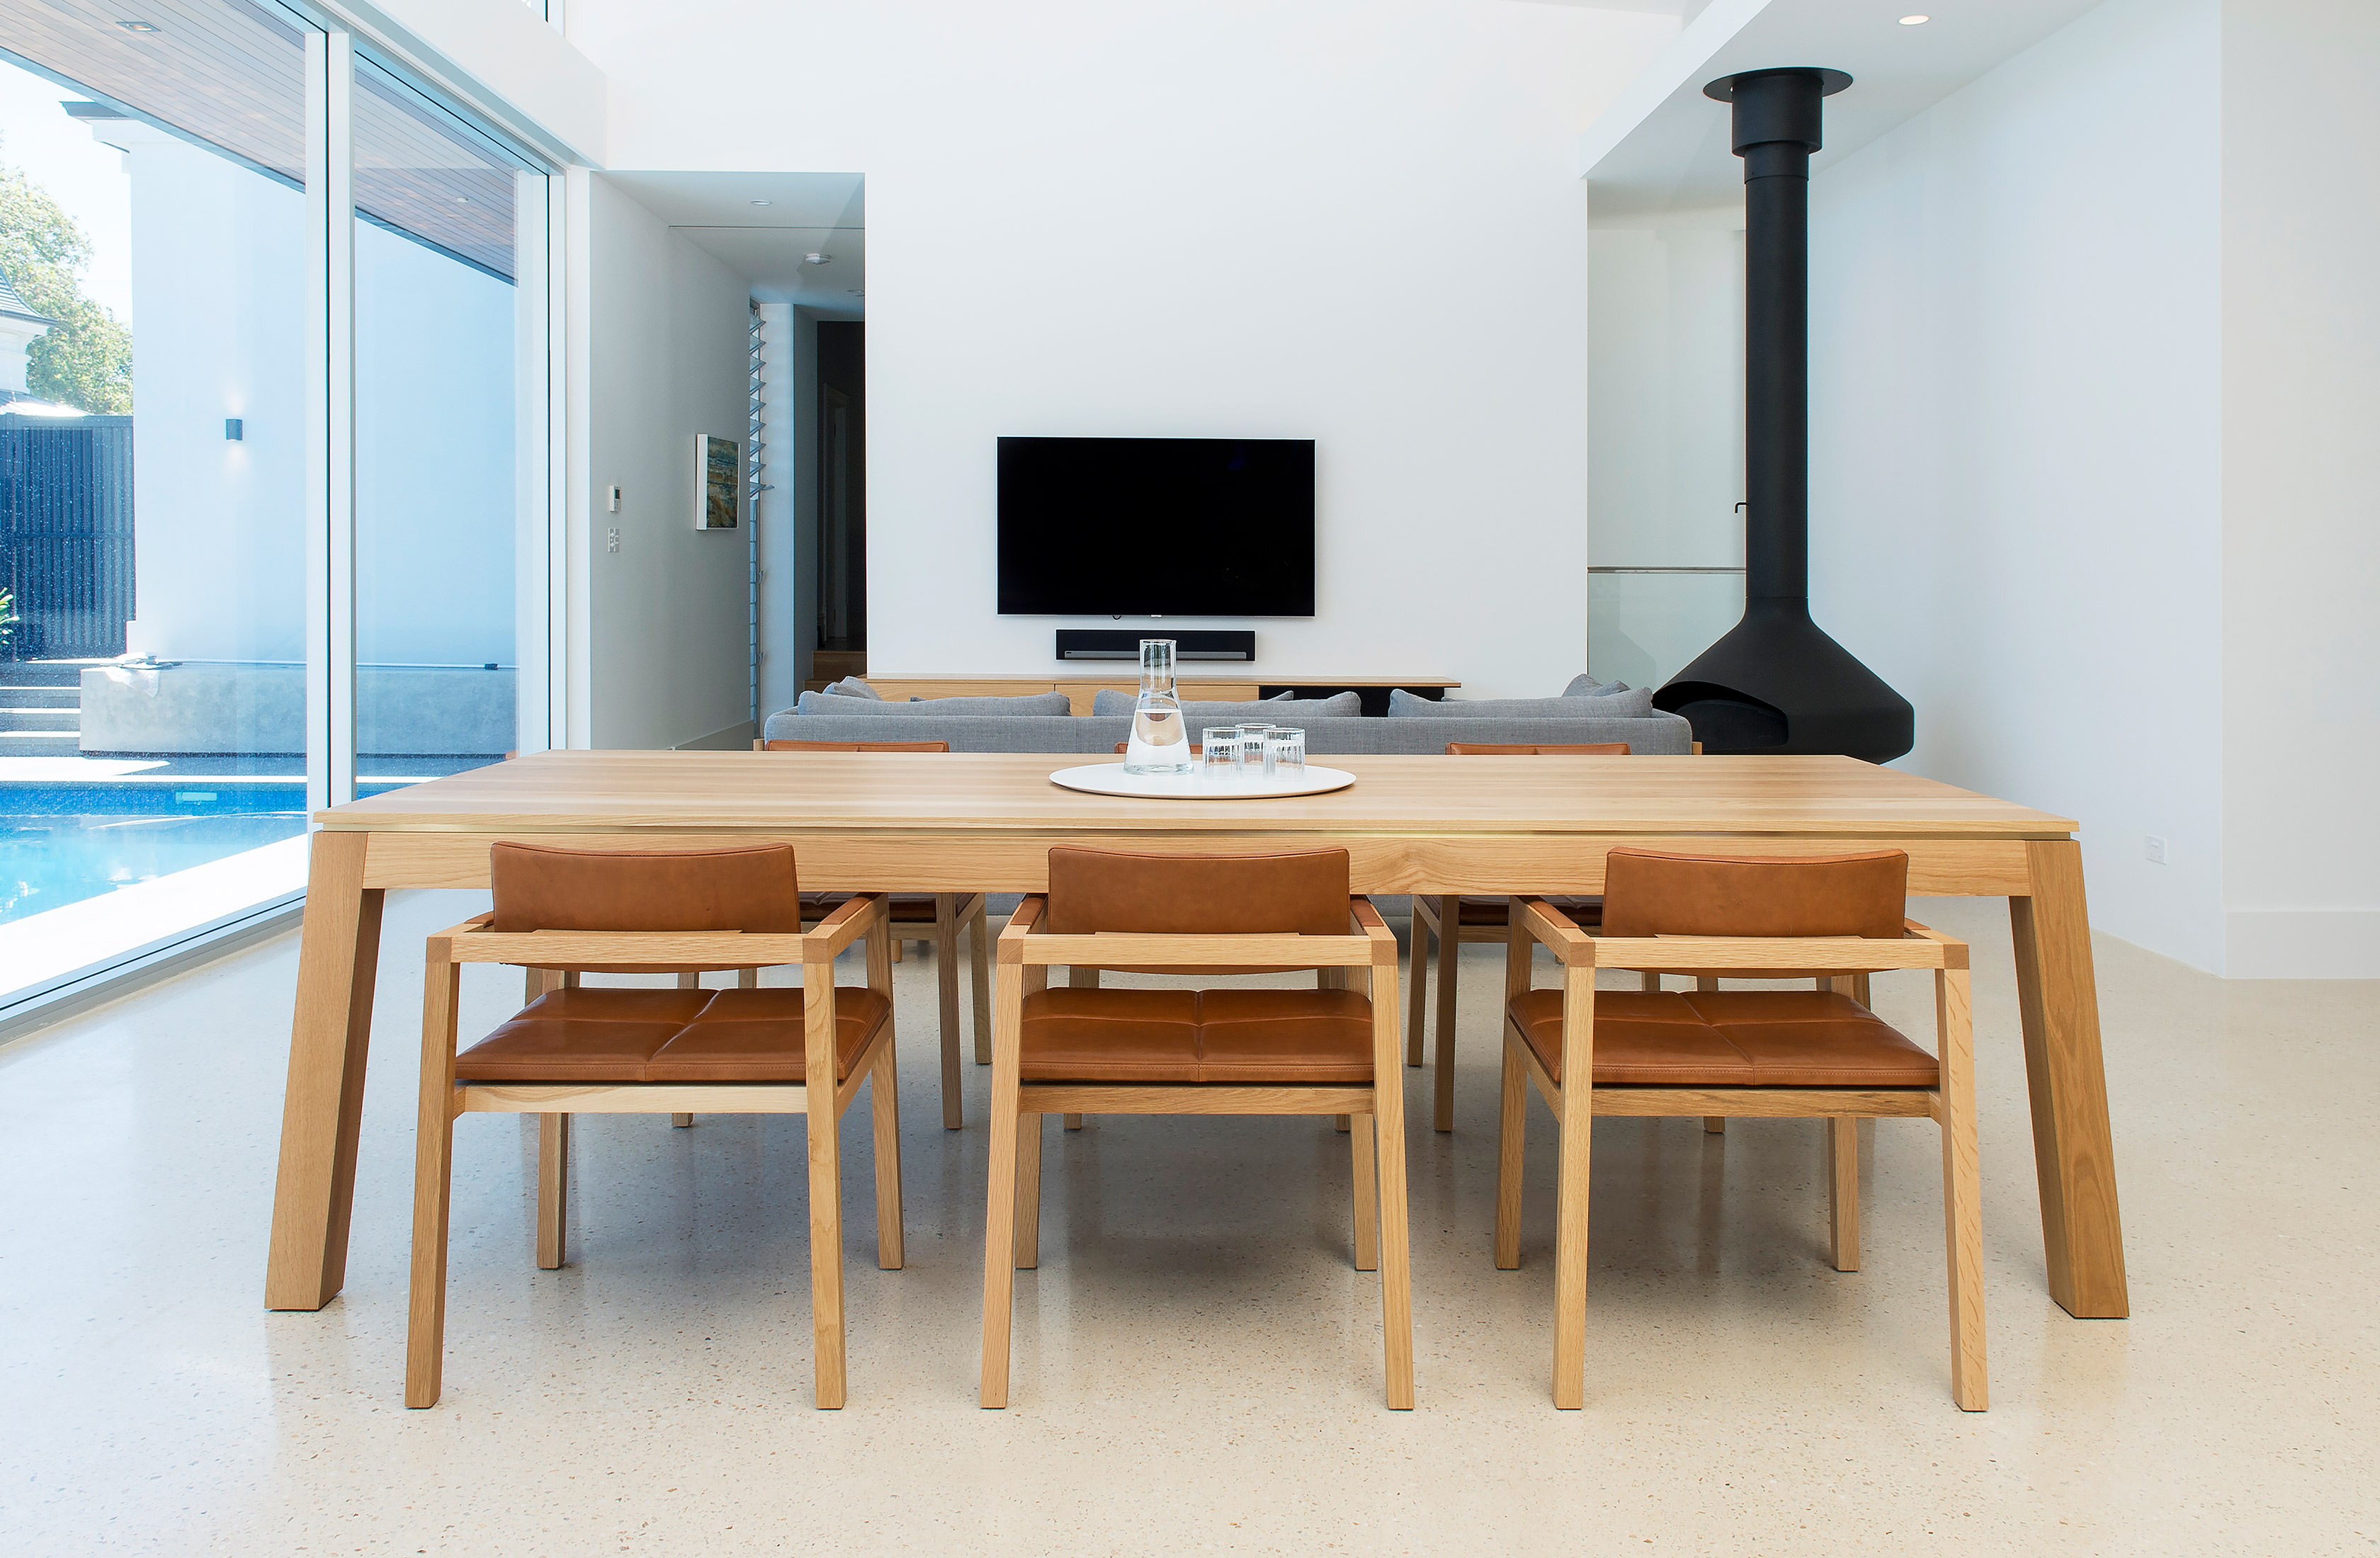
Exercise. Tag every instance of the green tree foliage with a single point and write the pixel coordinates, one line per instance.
(86, 358)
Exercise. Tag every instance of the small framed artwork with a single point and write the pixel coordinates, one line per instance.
(718, 470)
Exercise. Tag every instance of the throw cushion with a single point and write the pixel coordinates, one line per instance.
(1278, 709)
(1585, 686)
(1632, 705)
(853, 687)
(1038, 703)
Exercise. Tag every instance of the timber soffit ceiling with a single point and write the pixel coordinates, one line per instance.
(230, 75)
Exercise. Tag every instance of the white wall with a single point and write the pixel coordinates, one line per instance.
(1293, 218)
(220, 539)
(785, 386)
(668, 358)
(2300, 488)
(2017, 443)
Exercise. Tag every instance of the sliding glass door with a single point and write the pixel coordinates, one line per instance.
(271, 332)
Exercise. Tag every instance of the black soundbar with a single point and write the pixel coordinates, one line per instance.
(1189, 644)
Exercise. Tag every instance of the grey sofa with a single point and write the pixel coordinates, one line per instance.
(1654, 735)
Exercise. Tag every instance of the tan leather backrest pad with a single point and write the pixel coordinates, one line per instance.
(1301, 892)
(744, 890)
(1529, 749)
(854, 746)
(1652, 892)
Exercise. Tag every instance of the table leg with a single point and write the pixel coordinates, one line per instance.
(305, 1261)
(2073, 1152)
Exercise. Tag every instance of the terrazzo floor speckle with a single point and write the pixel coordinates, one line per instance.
(1197, 1366)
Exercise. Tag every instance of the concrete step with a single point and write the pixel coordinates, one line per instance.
(40, 743)
(25, 721)
(40, 698)
(43, 674)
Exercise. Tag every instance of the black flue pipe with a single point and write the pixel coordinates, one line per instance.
(1776, 682)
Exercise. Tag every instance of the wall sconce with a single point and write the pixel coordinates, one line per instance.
(232, 432)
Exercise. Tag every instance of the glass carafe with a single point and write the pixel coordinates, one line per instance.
(1160, 741)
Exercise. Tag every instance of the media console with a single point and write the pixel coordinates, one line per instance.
(1373, 690)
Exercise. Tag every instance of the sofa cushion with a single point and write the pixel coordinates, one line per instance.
(1278, 709)
(852, 687)
(1633, 704)
(1038, 703)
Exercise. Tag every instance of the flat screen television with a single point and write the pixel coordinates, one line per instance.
(1157, 526)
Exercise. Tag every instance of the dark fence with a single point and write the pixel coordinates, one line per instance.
(66, 534)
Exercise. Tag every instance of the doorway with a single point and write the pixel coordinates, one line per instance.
(842, 495)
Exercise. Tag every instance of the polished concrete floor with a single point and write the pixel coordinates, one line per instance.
(1198, 1367)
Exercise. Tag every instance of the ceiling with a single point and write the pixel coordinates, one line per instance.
(1662, 147)
(806, 214)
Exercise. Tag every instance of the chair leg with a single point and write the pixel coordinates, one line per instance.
(1570, 1202)
(681, 1121)
(980, 948)
(1342, 1124)
(433, 1161)
(1387, 1125)
(1364, 1141)
(1962, 1190)
(885, 1131)
(1715, 1125)
(1842, 1191)
(686, 981)
(553, 1189)
(1450, 948)
(1512, 1138)
(826, 1185)
(999, 1188)
(1080, 979)
(946, 976)
(1028, 1192)
(748, 979)
(1417, 980)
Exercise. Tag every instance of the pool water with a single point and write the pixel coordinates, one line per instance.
(61, 843)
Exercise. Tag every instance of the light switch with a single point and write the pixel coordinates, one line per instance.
(613, 502)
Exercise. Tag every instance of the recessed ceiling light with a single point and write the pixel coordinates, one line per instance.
(1915, 21)
(138, 26)
(816, 259)
(462, 199)
(761, 202)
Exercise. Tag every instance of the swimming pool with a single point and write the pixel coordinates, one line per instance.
(61, 843)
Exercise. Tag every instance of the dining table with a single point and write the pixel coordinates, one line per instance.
(970, 822)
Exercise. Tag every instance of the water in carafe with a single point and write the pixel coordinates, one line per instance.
(1160, 740)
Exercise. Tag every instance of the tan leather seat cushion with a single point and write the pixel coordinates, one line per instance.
(1747, 1038)
(666, 1036)
(759, 1036)
(1494, 910)
(1278, 1037)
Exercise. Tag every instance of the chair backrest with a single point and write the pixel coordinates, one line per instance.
(749, 889)
(1301, 892)
(1651, 892)
(853, 745)
(1524, 749)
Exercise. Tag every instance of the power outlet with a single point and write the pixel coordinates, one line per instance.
(2154, 849)
(612, 539)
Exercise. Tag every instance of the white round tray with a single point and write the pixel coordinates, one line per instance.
(1109, 778)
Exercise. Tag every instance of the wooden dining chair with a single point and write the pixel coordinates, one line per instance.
(1765, 1053)
(1328, 1051)
(1475, 918)
(937, 919)
(580, 1050)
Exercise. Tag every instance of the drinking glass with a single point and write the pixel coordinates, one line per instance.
(1285, 754)
(1252, 749)
(1219, 754)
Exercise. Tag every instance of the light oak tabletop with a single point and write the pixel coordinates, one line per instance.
(832, 792)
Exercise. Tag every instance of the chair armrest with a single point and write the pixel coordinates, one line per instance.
(851, 919)
(1135, 949)
(1571, 946)
(1011, 946)
(1383, 941)
(470, 943)
(1954, 951)
(1790, 954)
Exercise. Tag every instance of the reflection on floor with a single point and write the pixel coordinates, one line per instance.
(1196, 1365)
